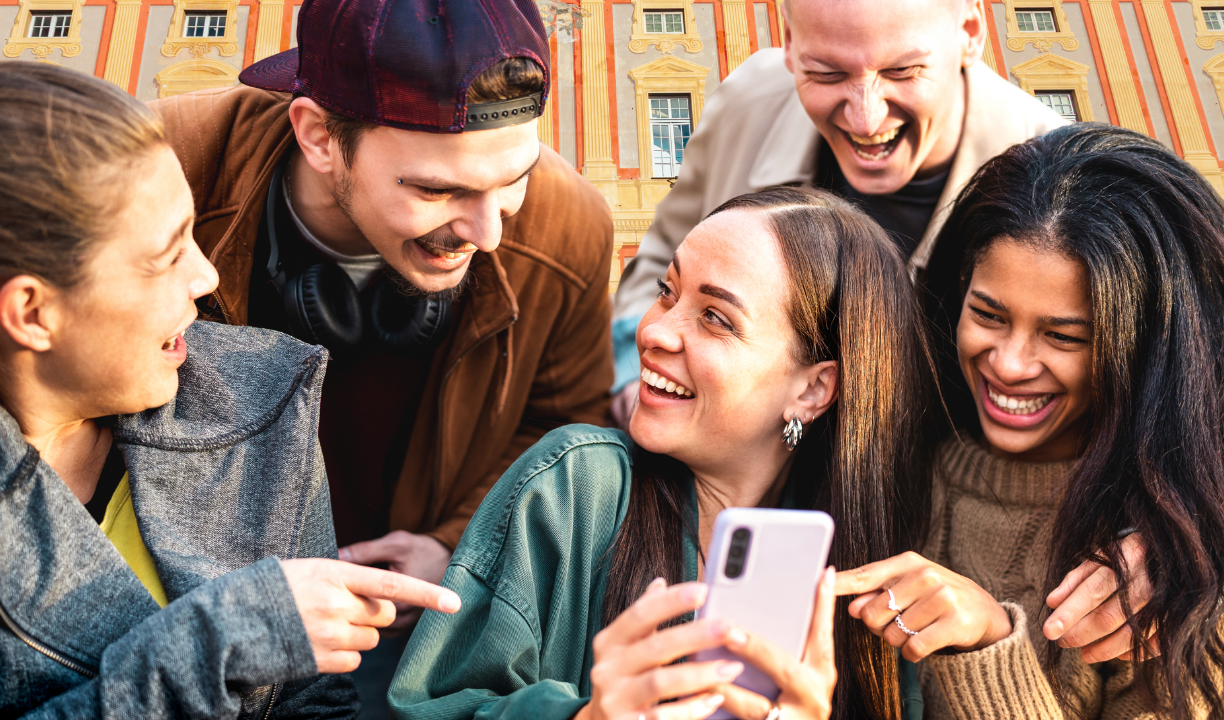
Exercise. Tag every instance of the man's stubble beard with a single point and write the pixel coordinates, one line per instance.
(442, 238)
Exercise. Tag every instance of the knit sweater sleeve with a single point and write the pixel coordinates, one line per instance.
(1006, 681)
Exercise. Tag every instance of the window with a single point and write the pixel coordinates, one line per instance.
(1060, 102)
(205, 24)
(1036, 21)
(1213, 18)
(50, 24)
(670, 22)
(671, 124)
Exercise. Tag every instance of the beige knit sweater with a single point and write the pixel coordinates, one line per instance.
(993, 522)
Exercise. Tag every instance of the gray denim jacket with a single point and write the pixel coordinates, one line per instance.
(225, 479)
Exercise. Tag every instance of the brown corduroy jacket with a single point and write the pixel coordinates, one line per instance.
(530, 348)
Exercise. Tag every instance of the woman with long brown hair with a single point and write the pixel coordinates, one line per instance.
(786, 308)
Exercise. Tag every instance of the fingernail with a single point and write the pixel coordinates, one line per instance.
(714, 701)
(736, 637)
(449, 602)
(695, 595)
(656, 584)
(1054, 629)
(343, 554)
(731, 670)
(830, 574)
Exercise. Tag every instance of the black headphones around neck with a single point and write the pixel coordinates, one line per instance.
(323, 306)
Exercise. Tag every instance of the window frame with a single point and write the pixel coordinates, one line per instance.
(1068, 93)
(35, 15)
(20, 40)
(1035, 15)
(207, 16)
(671, 123)
(663, 16)
(1042, 40)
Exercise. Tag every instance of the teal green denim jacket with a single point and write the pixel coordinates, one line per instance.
(532, 575)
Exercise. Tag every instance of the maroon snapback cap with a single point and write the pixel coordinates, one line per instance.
(408, 63)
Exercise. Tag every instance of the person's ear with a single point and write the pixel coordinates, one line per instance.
(973, 29)
(26, 313)
(309, 121)
(818, 394)
(787, 42)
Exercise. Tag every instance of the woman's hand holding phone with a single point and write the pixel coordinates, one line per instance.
(940, 608)
(633, 674)
(806, 684)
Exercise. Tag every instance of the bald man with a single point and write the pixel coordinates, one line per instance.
(885, 102)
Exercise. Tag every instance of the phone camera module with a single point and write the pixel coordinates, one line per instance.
(737, 554)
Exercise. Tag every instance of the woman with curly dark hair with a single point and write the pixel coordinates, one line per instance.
(1077, 295)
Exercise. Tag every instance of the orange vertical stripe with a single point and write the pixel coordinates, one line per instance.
(1160, 87)
(104, 41)
(1198, 101)
(1099, 59)
(992, 37)
(610, 51)
(750, 8)
(138, 49)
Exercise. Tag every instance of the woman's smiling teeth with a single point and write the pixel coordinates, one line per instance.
(1018, 406)
(658, 382)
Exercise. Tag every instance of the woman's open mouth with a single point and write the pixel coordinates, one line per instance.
(1017, 411)
(876, 147)
(660, 386)
(176, 347)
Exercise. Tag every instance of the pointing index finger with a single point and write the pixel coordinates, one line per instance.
(387, 585)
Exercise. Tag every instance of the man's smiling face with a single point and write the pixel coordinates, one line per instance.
(882, 82)
(428, 201)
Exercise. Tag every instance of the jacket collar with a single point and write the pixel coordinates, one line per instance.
(235, 383)
(793, 143)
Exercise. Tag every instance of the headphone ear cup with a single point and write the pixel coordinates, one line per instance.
(323, 307)
(408, 323)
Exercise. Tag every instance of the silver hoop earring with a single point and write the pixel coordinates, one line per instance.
(793, 433)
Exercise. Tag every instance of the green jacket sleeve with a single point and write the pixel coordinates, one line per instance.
(531, 570)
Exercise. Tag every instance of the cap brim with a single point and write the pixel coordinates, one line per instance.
(278, 72)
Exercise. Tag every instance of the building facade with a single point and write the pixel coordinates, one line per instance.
(631, 76)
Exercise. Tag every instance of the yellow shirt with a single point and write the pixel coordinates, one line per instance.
(119, 524)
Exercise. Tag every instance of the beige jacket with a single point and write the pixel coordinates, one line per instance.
(754, 133)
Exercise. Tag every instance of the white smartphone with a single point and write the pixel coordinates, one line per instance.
(762, 570)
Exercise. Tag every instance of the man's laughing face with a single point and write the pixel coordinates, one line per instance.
(881, 79)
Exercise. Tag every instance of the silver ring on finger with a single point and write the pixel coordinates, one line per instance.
(893, 606)
(775, 712)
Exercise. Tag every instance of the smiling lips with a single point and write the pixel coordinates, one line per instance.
(658, 382)
(875, 147)
(1018, 405)
(467, 249)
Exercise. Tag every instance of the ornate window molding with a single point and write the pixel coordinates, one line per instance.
(1052, 72)
(177, 39)
(1042, 40)
(667, 75)
(1215, 70)
(196, 74)
(1207, 37)
(41, 47)
(639, 39)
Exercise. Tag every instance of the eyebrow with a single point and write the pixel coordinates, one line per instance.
(442, 184)
(676, 262)
(1044, 320)
(175, 237)
(990, 302)
(910, 58)
(725, 295)
(1064, 321)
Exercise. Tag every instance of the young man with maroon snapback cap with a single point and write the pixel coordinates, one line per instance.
(380, 190)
